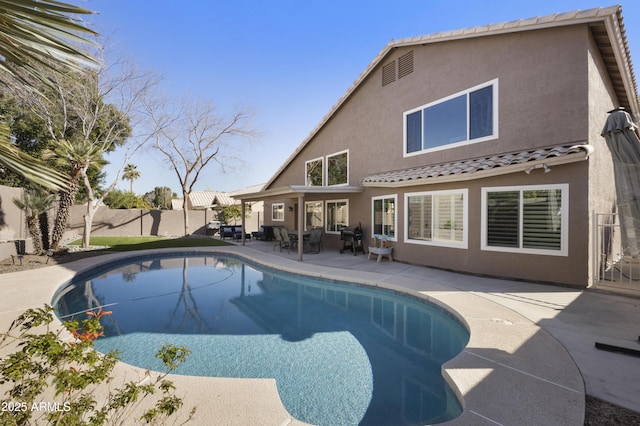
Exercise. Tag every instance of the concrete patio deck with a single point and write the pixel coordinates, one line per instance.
(530, 359)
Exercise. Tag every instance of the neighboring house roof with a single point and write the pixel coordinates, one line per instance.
(247, 190)
(176, 204)
(480, 167)
(204, 199)
(606, 26)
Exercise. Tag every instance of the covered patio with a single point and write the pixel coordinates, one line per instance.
(297, 194)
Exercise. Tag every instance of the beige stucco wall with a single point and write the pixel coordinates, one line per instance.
(12, 222)
(12, 219)
(602, 196)
(550, 93)
(540, 81)
(556, 269)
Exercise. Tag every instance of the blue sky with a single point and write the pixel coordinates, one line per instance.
(287, 60)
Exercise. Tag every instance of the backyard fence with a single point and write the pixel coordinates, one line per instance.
(12, 221)
(106, 222)
(117, 222)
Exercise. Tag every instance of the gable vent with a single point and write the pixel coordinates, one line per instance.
(389, 73)
(405, 64)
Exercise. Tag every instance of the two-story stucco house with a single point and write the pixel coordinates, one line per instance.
(476, 150)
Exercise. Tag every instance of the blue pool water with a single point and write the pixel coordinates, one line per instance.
(341, 354)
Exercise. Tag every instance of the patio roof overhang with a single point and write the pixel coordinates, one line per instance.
(295, 191)
(478, 168)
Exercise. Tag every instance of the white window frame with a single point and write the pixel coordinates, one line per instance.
(564, 209)
(326, 168)
(306, 176)
(393, 197)
(306, 203)
(435, 242)
(275, 208)
(493, 83)
(326, 219)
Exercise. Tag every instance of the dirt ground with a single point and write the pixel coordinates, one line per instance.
(601, 413)
(598, 412)
(30, 261)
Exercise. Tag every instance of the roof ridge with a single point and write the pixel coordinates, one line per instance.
(559, 18)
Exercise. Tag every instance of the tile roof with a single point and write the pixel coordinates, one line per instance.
(420, 175)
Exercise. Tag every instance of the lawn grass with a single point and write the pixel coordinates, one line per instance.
(144, 243)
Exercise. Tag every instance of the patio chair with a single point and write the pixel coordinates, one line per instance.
(321, 237)
(278, 238)
(287, 240)
(315, 239)
(20, 251)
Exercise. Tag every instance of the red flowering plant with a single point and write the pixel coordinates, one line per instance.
(56, 376)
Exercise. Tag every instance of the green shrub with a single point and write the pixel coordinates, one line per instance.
(54, 375)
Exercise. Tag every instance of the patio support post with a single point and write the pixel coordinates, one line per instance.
(243, 221)
(300, 226)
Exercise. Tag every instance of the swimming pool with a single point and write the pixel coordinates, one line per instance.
(340, 353)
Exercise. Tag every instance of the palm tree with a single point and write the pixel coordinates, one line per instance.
(130, 173)
(76, 157)
(34, 32)
(25, 165)
(34, 203)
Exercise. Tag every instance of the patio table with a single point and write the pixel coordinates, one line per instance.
(305, 237)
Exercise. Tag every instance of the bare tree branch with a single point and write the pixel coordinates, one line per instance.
(193, 136)
(88, 115)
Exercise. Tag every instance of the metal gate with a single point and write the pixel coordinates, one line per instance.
(613, 270)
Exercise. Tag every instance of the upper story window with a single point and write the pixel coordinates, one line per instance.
(338, 168)
(329, 171)
(314, 175)
(466, 117)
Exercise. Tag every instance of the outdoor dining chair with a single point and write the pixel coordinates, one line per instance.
(315, 239)
(278, 238)
(288, 241)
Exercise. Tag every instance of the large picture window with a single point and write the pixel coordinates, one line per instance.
(437, 218)
(384, 216)
(337, 215)
(338, 168)
(526, 219)
(467, 117)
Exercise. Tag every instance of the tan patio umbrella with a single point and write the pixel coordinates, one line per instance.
(620, 133)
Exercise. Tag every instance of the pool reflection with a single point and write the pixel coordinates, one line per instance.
(395, 377)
